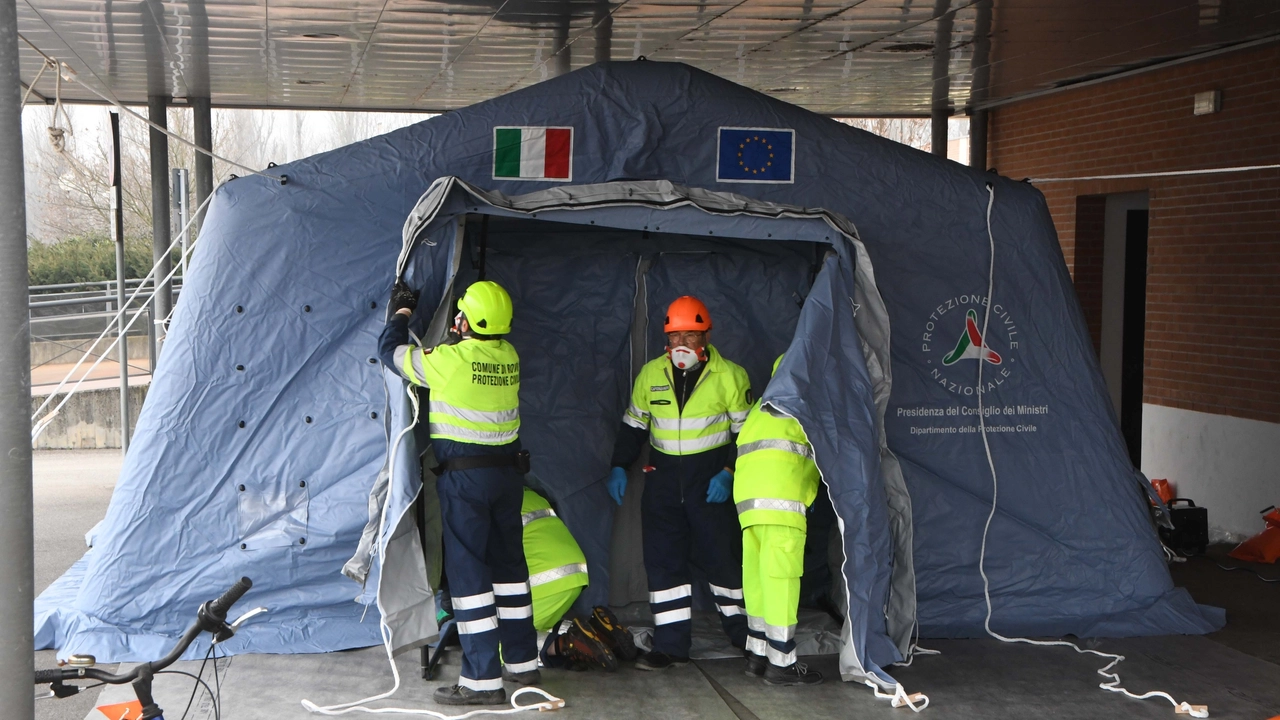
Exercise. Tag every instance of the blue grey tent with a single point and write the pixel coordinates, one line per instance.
(273, 445)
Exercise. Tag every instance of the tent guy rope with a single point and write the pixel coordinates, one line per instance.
(69, 74)
(1112, 683)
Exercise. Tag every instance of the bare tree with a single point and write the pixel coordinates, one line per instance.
(68, 181)
(915, 132)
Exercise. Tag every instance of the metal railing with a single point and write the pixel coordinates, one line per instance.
(67, 312)
(47, 296)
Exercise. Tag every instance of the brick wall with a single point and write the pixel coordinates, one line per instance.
(1213, 288)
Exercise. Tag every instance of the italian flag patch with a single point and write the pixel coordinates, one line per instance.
(533, 153)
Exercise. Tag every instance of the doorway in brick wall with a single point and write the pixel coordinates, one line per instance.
(1124, 310)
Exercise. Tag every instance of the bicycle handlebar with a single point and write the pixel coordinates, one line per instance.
(217, 608)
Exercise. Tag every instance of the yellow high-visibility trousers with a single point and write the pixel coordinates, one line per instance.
(772, 563)
(548, 609)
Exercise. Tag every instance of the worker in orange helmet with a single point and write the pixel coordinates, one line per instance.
(689, 404)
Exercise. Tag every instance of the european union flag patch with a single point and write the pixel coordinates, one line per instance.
(756, 155)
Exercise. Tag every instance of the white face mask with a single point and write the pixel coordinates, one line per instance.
(684, 358)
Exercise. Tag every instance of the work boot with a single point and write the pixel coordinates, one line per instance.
(755, 665)
(528, 677)
(458, 695)
(793, 674)
(659, 661)
(580, 645)
(612, 632)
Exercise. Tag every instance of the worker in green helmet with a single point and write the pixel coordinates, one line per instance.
(776, 482)
(473, 417)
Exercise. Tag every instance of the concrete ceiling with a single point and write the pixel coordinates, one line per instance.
(840, 57)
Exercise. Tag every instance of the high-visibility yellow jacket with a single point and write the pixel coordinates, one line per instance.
(776, 479)
(475, 388)
(556, 563)
(714, 410)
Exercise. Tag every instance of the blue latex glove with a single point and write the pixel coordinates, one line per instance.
(617, 484)
(721, 487)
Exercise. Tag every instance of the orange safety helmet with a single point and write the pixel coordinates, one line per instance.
(687, 313)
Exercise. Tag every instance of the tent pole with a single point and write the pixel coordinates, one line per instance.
(17, 573)
(484, 245)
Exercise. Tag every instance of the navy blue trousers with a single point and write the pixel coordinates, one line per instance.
(488, 576)
(679, 527)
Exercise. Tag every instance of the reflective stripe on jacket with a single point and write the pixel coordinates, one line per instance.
(776, 479)
(556, 563)
(711, 414)
(475, 388)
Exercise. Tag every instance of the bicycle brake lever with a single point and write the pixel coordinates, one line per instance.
(235, 626)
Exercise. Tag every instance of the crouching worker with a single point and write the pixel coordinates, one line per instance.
(557, 574)
(474, 422)
(776, 482)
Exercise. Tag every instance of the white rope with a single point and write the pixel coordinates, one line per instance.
(39, 74)
(1112, 683)
(1168, 173)
(550, 702)
(45, 422)
(57, 135)
(899, 697)
(70, 74)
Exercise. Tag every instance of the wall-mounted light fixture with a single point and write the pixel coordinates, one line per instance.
(1208, 102)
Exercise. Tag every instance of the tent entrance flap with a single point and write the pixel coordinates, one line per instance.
(584, 263)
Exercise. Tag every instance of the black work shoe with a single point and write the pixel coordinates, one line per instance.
(458, 695)
(659, 661)
(793, 674)
(612, 632)
(528, 677)
(580, 644)
(755, 665)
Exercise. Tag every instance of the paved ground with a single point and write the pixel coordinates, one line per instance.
(1235, 671)
(72, 489)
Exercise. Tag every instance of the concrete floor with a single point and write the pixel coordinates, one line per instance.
(72, 489)
(1236, 671)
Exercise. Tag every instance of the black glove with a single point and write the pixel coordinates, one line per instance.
(402, 298)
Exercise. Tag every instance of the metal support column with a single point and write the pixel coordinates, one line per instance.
(940, 107)
(978, 139)
(562, 62)
(202, 122)
(162, 301)
(17, 569)
(604, 33)
(181, 211)
(117, 234)
(979, 88)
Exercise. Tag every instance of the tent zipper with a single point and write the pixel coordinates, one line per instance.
(679, 431)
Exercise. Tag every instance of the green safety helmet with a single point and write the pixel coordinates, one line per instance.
(776, 363)
(487, 307)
